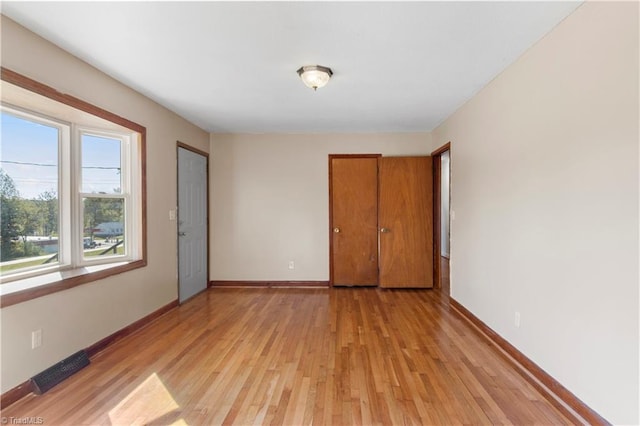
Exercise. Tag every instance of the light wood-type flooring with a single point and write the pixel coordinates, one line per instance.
(298, 357)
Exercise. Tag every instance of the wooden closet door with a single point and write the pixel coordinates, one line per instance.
(406, 222)
(354, 221)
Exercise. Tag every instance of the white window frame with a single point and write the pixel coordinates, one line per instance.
(127, 194)
(70, 205)
(63, 191)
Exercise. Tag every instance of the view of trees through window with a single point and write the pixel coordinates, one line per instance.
(31, 229)
(103, 203)
(103, 225)
(28, 193)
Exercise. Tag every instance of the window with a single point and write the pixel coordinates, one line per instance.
(29, 191)
(106, 193)
(45, 223)
(71, 191)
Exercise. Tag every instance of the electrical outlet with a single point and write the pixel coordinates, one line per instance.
(516, 320)
(292, 265)
(172, 214)
(36, 339)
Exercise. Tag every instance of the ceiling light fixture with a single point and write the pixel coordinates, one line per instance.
(315, 76)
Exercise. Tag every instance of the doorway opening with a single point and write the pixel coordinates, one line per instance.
(442, 216)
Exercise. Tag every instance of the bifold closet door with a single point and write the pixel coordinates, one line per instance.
(354, 221)
(405, 218)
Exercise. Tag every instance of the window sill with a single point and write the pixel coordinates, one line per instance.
(19, 291)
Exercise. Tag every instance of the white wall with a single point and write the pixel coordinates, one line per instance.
(76, 318)
(270, 200)
(545, 195)
(445, 161)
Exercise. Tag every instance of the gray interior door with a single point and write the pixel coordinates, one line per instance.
(192, 223)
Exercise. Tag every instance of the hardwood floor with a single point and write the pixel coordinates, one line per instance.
(298, 356)
(444, 275)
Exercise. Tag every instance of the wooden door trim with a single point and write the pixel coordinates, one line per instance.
(442, 149)
(206, 157)
(331, 157)
(437, 207)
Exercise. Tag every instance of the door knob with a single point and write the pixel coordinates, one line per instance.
(182, 234)
(336, 230)
(385, 230)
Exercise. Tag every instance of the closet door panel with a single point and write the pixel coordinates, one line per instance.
(354, 221)
(406, 222)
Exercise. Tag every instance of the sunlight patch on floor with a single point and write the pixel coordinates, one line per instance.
(149, 401)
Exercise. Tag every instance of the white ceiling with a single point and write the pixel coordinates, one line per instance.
(231, 66)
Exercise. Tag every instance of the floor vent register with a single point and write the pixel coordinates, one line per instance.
(57, 373)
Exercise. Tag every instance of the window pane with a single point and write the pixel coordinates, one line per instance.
(101, 169)
(103, 227)
(28, 194)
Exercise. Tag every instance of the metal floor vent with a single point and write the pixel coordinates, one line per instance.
(57, 373)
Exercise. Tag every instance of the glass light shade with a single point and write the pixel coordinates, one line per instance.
(315, 76)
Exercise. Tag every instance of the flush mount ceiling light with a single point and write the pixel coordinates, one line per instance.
(315, 76)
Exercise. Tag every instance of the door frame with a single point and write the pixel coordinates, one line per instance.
(331, 157)
(206, 157)
(437, 207)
